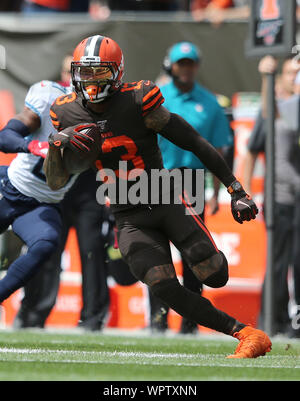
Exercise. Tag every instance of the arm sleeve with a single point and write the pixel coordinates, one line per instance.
(12, 137)
(182, 134)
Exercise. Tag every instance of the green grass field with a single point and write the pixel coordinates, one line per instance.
(50, 356)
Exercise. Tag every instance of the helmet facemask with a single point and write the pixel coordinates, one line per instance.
(95, 80)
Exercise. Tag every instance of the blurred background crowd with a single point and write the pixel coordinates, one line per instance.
(213, 10)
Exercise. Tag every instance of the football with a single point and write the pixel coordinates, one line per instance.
(76, 162)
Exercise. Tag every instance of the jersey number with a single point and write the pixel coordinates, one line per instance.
(131, 86)
(66, 99)
(110, 143)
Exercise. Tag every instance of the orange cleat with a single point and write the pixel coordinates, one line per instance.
(253, 343)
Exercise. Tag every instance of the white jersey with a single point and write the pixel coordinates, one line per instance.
(26, 170)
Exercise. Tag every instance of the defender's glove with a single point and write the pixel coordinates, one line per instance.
(77, 138)
(38, 148)
(242, 206)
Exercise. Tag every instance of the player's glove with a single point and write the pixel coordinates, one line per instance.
(76, 138)
(242, 206)
(38, 148)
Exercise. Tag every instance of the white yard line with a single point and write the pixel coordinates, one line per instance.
(145, 358)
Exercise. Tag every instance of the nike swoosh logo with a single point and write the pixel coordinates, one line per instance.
(239, 202)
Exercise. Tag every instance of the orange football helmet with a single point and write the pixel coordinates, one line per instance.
(97, 68)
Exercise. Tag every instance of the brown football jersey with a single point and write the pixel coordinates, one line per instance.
(121, 126)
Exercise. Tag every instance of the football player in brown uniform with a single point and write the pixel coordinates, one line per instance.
(128, 117)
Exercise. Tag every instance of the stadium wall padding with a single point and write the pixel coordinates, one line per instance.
(34, 48)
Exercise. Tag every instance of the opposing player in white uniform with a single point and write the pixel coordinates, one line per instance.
(26, 201)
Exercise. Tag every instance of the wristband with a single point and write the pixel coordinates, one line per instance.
(235, 187)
